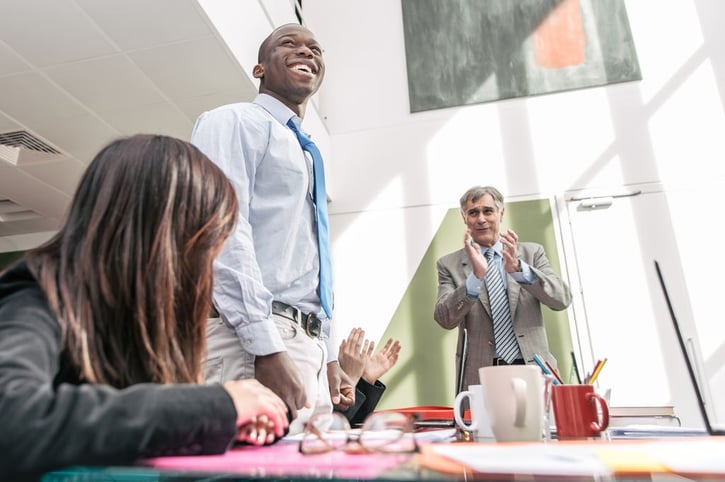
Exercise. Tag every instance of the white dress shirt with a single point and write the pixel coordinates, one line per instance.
(272, 253)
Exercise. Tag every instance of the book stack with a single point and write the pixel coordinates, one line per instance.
(648, 423)
(661, 416)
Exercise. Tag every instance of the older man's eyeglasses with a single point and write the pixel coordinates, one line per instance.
(386, 432)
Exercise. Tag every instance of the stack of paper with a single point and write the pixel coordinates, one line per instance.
(654, 431)
(684, 456)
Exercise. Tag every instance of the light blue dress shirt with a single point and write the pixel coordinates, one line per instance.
(524, 277)
(272, 253)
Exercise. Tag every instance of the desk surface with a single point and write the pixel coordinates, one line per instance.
(666, 459)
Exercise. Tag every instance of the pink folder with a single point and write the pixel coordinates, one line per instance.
(282, 459)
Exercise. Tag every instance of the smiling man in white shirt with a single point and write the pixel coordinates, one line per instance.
(271, 324)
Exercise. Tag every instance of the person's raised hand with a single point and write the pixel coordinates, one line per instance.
(475, 256)
(354, 353)
(510, 242)
(381, 362)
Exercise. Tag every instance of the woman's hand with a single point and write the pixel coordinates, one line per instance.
(261, 414)
(354, 353)
(379, 364)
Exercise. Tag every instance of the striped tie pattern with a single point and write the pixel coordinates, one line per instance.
(503, 329)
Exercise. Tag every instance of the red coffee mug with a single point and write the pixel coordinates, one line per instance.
(579, 412)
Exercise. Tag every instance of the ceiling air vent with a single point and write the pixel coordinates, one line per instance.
(26, 140)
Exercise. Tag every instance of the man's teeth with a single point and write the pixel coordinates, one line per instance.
(303, 68)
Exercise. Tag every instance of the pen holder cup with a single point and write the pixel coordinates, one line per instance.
(580, 412)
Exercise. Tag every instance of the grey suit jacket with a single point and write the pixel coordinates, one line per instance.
(455, 309)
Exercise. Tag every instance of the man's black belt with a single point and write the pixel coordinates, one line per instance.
(308, 321)
(500, 361)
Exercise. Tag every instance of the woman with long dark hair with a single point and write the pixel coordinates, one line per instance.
(102, 329)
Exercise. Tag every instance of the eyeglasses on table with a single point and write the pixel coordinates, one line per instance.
(382, 432)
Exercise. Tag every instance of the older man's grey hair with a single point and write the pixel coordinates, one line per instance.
(477, 192)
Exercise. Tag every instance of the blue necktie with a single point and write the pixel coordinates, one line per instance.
(323, 230)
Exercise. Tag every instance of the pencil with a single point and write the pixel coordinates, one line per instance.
(597, 371)
(589, 376)
(553, 372)
(576, 368)
(544, 369)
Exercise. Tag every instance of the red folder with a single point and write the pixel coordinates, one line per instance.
(431, 413)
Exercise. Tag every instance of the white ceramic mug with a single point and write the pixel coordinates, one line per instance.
(514, 398)
(480, 426)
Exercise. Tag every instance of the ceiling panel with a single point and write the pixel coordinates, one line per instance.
(189, 69)
(27, 191)
(81, 135)
(161, 21)
(242, 92)
(92, 82)
(51, 32)
(10, 63)
(32, 99)
(37, 225)
(62, 174)
(162, 118)
(7, 124)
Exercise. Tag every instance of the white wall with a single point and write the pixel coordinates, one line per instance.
(394, 173)
(622, 134)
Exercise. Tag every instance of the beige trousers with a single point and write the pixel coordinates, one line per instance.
(227, 360)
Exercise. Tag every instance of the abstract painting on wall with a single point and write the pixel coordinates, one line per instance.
(461, 52)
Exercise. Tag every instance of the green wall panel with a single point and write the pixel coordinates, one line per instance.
(425, 373)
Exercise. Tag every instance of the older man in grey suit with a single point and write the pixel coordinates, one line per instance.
(467, 291)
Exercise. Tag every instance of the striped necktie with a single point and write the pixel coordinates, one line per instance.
(503, 329)
(323, 230)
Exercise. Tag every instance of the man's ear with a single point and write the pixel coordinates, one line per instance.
(258, 71)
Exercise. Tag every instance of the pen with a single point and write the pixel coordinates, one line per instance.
(576, 368)
(544, 369)
(597, 371)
